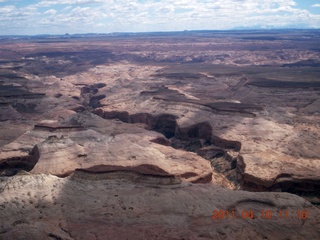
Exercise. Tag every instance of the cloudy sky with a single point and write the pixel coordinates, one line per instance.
(105, 16)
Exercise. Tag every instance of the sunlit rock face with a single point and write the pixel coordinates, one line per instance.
(61, 149)
(155, 134)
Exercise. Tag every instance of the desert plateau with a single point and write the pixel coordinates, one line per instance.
(160, 135)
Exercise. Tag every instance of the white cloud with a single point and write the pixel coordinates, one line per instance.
(50, 12)
(316, 5)
(56, 2)
(152, 15)
(7, 9)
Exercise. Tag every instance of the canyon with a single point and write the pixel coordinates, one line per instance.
(152, 133)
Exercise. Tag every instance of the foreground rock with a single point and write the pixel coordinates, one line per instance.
(125, 205)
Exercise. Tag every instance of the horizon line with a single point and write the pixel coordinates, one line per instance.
(150, 32)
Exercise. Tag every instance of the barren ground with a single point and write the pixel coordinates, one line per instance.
(154, 132)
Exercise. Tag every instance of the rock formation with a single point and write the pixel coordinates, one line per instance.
(117, 205)
(168, 138)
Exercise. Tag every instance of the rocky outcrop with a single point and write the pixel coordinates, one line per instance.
(122, 116)
(226, 109)
(13, 165)
(197, 138)
(200, 131)
(63, 156)
(75, 147)
(163, 123)
(7, 112)
(95, 100)
(89, 94)
(53, 127)
(273, 179)
(200, 134)
(147, 207)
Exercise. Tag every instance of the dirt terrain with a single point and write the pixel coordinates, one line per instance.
(153, 132)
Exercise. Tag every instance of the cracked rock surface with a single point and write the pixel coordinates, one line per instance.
(121, 204)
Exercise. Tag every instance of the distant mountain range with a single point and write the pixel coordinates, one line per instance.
(185, 32)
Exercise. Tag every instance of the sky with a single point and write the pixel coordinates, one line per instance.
(31, 17)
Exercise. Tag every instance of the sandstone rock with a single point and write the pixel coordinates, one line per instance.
(281, 174)
(7, 112)
(118, 205)
(62, 148)
(313, 108)
(62, 156)
(255, 119)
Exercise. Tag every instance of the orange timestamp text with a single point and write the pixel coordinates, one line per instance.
(263, 214)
